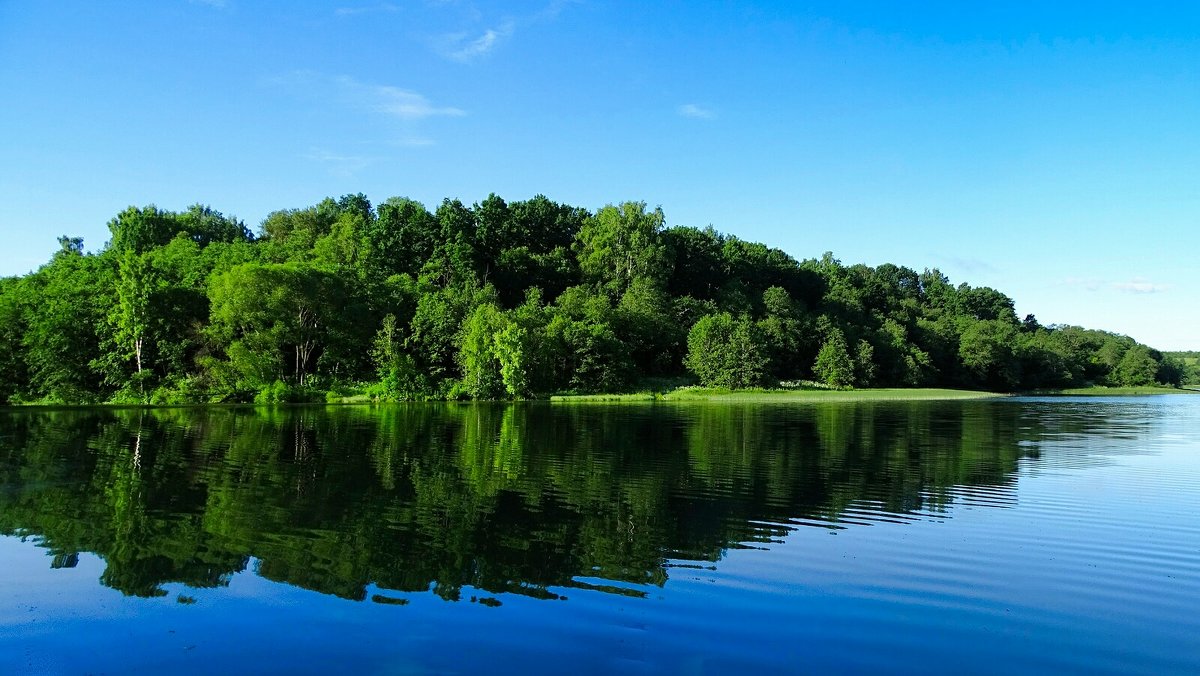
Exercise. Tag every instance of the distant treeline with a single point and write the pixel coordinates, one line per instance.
(1191, 365)
(502, 300)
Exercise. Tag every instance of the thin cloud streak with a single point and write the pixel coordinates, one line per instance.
(695, 111)
(468, 46)
(1137, 285)
(344, 166)
(395, 113)
(413, 142)
(1084, 283)
(554, 8)
(1140, 286)
(458, 48)
(397, 102)
(369, 9)
(409, 105)
(971, 265)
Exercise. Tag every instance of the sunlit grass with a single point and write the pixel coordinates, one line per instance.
(780, 395)
(1100, 391)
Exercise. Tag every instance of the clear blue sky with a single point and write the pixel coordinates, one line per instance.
(1051, 150)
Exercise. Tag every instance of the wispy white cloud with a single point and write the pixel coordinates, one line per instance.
(344, 166)
(389, 100)
(414, 142)
(970, 265)
(396, 115)
(1140, 285)
(1091, 284)
(696, 111)
(384, 7)
(470, 45)
(464, 47)
(406, 104)
(554, 8)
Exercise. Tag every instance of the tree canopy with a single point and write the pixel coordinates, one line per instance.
(503, 299)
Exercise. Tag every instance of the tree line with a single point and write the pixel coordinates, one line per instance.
(502, 300)
(1191, 365)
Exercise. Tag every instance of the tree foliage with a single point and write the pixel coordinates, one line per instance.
(727, 352)
(834, 365)
(504, 299)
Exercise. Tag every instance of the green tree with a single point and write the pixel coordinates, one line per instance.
(1171, 371)
(865, 369)
(401, 239)
(529, 245)
(786, 335)
(194, 304)
(14, 372)
(477, 354)
(398, 374)
(988, 352)
(642, 319)
(585, 354)
(436, 323)
(140, 229)
(66, 303)
(1136, 368)
(523, 349)
(834, 366)
(262, 311)
(622, 243)
(699, 269)
(136, 283)
(511, 347)
(727, 352)
(204, 225)
(1045, 361)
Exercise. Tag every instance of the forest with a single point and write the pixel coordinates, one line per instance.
(503, 300)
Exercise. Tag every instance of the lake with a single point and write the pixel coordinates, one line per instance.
(995, 536)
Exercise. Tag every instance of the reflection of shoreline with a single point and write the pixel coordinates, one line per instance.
(505, 499)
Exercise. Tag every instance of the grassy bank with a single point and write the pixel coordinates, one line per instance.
(1100, 391)
(781, 395)
(816, 394)
(694, 394)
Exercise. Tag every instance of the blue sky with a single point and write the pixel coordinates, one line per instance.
(1050, 150)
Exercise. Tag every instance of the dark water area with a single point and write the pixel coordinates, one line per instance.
(999, 536)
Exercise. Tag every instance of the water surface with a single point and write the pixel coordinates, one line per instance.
(983, 536)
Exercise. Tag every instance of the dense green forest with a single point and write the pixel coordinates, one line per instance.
(1191, 365)
(502, 300)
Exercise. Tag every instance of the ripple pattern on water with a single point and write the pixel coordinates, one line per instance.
(1018, 535)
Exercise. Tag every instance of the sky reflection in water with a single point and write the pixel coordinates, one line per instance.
(989, 536)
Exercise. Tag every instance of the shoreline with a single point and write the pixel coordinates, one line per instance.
(680, 395)
(814, 395)
(872, 394)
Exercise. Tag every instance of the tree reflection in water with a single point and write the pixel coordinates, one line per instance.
(531, 499)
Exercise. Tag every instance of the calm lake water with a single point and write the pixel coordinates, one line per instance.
(1012, 535)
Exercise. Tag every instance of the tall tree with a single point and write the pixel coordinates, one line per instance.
(264, 311)
(834, 365)
(727, 352)
(136, 283)
(14, 372)
(622, 243)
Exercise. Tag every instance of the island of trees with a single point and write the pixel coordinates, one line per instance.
(503, 300)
